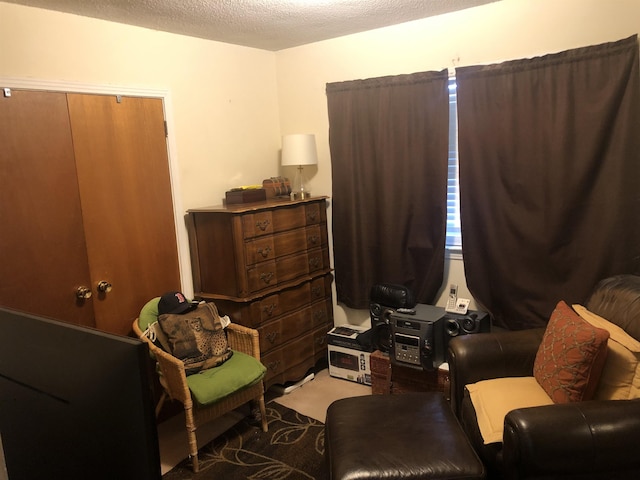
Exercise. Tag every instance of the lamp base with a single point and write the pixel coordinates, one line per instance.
(300, 195)
(300, 190)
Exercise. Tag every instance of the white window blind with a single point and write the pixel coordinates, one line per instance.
(454, 236)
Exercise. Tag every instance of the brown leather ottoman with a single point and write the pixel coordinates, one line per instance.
(405, 436)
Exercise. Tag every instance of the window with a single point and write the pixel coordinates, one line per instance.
(454, 236)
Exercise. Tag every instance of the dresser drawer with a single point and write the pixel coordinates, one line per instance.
(320, 341)
(292, 361)
(290, 299)
(270, 247)
(259, 250)
(277, 332)
(322, 313)
(262, 310)
(266, 222)
(314, 214)
(285, 269)
(321, 287)
(285, 301)
(315, 236)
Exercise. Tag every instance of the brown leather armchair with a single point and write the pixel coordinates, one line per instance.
(581, 440)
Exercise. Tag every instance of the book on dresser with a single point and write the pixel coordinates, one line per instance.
(266, 265)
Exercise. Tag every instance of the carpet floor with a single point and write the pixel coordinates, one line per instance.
(311, 399)
(292, 449)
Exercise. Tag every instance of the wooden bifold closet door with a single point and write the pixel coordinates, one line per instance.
(85, 197)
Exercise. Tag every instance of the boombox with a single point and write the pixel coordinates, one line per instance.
(417, 339)
(385, 298)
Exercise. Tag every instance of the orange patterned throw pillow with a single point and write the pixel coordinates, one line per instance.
(571, 356)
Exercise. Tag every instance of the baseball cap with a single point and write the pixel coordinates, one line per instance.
(176, 303)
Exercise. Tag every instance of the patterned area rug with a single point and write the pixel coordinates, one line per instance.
(292, 449)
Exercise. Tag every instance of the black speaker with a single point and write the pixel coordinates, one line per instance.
(380, 328)
(472, 322)
(385, 298)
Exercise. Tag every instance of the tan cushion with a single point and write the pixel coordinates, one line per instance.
(571, 356)
(620, 378)
(493, 399)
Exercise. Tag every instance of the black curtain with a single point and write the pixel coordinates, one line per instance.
(389, 149)
(549, 153)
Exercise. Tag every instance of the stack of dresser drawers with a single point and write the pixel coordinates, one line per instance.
(266, 265)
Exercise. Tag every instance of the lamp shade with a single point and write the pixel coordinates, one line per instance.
(299, 149)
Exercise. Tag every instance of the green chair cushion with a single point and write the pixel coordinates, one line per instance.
(148, 314)
(213, 384)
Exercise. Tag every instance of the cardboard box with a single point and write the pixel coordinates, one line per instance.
(348, 358)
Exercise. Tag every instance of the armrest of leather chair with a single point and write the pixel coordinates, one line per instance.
(596, 438)
(490, 355)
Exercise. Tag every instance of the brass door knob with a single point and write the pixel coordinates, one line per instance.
(104, 286)
(83, 293)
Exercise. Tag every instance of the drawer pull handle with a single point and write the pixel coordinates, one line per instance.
(313, 239)
(273, 366)
(316, 291)
(266, 277)
(263, 224)
(320, 341)
(312, 216)
(268, 309)
(271, 336)
(319, 314)
(314, 262)
(264, 252)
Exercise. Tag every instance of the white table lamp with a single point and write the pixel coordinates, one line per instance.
(299, 150)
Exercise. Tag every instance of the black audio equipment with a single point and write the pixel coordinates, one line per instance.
(380, 329)
(471, 322)
(385, 298)
(417, 337)
(392, 295)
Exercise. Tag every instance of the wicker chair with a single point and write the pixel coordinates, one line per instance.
(173, 379)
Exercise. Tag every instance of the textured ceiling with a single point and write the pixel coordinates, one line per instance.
(265, 24)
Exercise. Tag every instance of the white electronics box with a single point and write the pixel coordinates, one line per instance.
(349, 350)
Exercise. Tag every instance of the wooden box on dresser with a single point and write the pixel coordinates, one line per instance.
(266, 265)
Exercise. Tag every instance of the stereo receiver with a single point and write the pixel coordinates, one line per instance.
(417, 337)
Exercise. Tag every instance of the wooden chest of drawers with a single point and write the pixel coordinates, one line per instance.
(266, 265)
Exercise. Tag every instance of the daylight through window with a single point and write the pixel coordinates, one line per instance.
(454, 236)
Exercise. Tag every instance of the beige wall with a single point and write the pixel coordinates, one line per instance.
(223, 117)
(505, 30)
(229, 104)
(225, 110)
